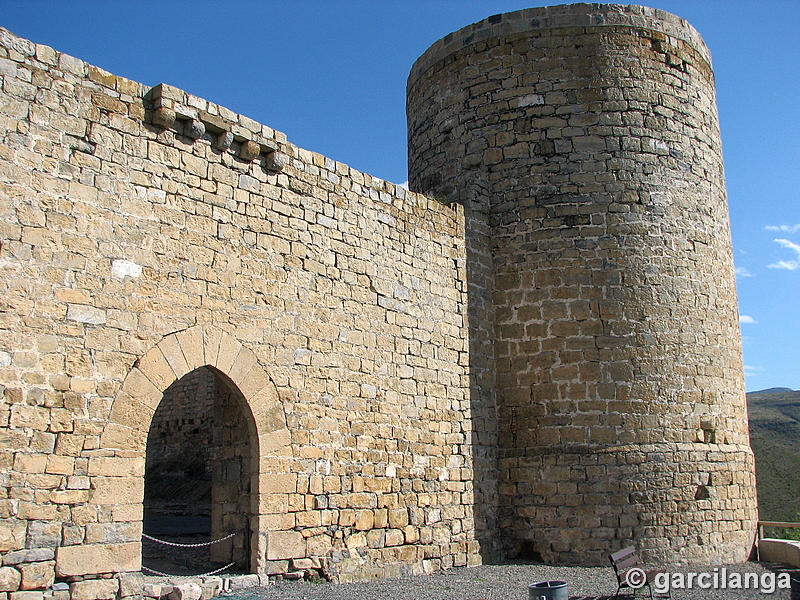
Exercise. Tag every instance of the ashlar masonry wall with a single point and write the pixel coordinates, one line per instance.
(148, 233)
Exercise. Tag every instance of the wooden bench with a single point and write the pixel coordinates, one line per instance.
(626, 560)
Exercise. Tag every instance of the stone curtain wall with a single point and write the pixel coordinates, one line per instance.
(586, 139)
(144, 237)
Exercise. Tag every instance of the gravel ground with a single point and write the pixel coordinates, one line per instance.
(496, 582)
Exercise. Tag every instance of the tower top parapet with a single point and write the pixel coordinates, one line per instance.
(561, 16)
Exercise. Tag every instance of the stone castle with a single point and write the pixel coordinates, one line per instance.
(535, 352)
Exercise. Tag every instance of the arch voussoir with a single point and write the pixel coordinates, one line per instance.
(191, 345)
(173, 353)
(156, 368)
(212, 337)
(229, 348)
(128, 411)
(245, 362)
(139, 387)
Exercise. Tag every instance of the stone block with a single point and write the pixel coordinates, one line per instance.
(276, 161)
(243, 582)
(117, 490)
(211, 588)
(365, 520)
(185, 591)
(121, 437)
(89, 315)
(92, 559)
(224, 140)
(191, 343)
(249, 150)
(139, 387)
(172, 352)
(30, 417)
(26, 595)
(299, 564)
(43, 534)
(130, 584)
(37, 575)
(156, 370)
(23, 556)
(277, 567)
(156, 590)
(285, 544)
(9, 579)
(163, 117)
(94, 589)
(194, 129)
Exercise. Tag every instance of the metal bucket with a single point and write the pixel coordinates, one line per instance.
(548, 590)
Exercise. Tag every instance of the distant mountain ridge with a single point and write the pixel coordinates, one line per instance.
(775, 437)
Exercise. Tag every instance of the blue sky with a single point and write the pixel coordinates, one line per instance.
(332, 76)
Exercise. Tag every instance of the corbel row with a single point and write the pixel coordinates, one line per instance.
(167, 109)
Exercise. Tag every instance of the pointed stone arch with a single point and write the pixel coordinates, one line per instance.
(125, 435)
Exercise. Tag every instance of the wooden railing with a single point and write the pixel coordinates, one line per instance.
(779, 524)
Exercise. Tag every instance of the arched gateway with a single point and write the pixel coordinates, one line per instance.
(179, 357)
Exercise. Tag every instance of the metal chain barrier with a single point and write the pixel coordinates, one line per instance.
(220, 570)
(151, 538)
(177, 545)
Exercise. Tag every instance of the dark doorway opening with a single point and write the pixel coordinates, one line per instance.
(198, 478)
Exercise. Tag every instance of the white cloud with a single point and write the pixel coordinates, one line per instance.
(788, 265)
(752, 370)
(743, 272)
(784, 228)
(747, 320)
(788, 244)
(403, 185)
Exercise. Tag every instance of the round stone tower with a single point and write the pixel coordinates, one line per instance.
(584, 143)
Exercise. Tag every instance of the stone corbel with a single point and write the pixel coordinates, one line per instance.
(169, 110)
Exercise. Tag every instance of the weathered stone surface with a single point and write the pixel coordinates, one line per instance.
(276, 161)
(185, 591)
(249, 150)
(34, 555)
(243, 582)
(285, 544)
(164, 117)
(91, 559)
(12, 534)
(211, 588)
(224, 140)
(121, 268)
(86, 314)
(130, 584)
(195, 129)
(94, 589)
(26, 595)
(9, 579)
(37, 575)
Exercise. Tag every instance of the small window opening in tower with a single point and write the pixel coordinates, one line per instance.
(198, 475)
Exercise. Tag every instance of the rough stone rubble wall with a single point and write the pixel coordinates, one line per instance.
(123, 239)
(586, 140)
